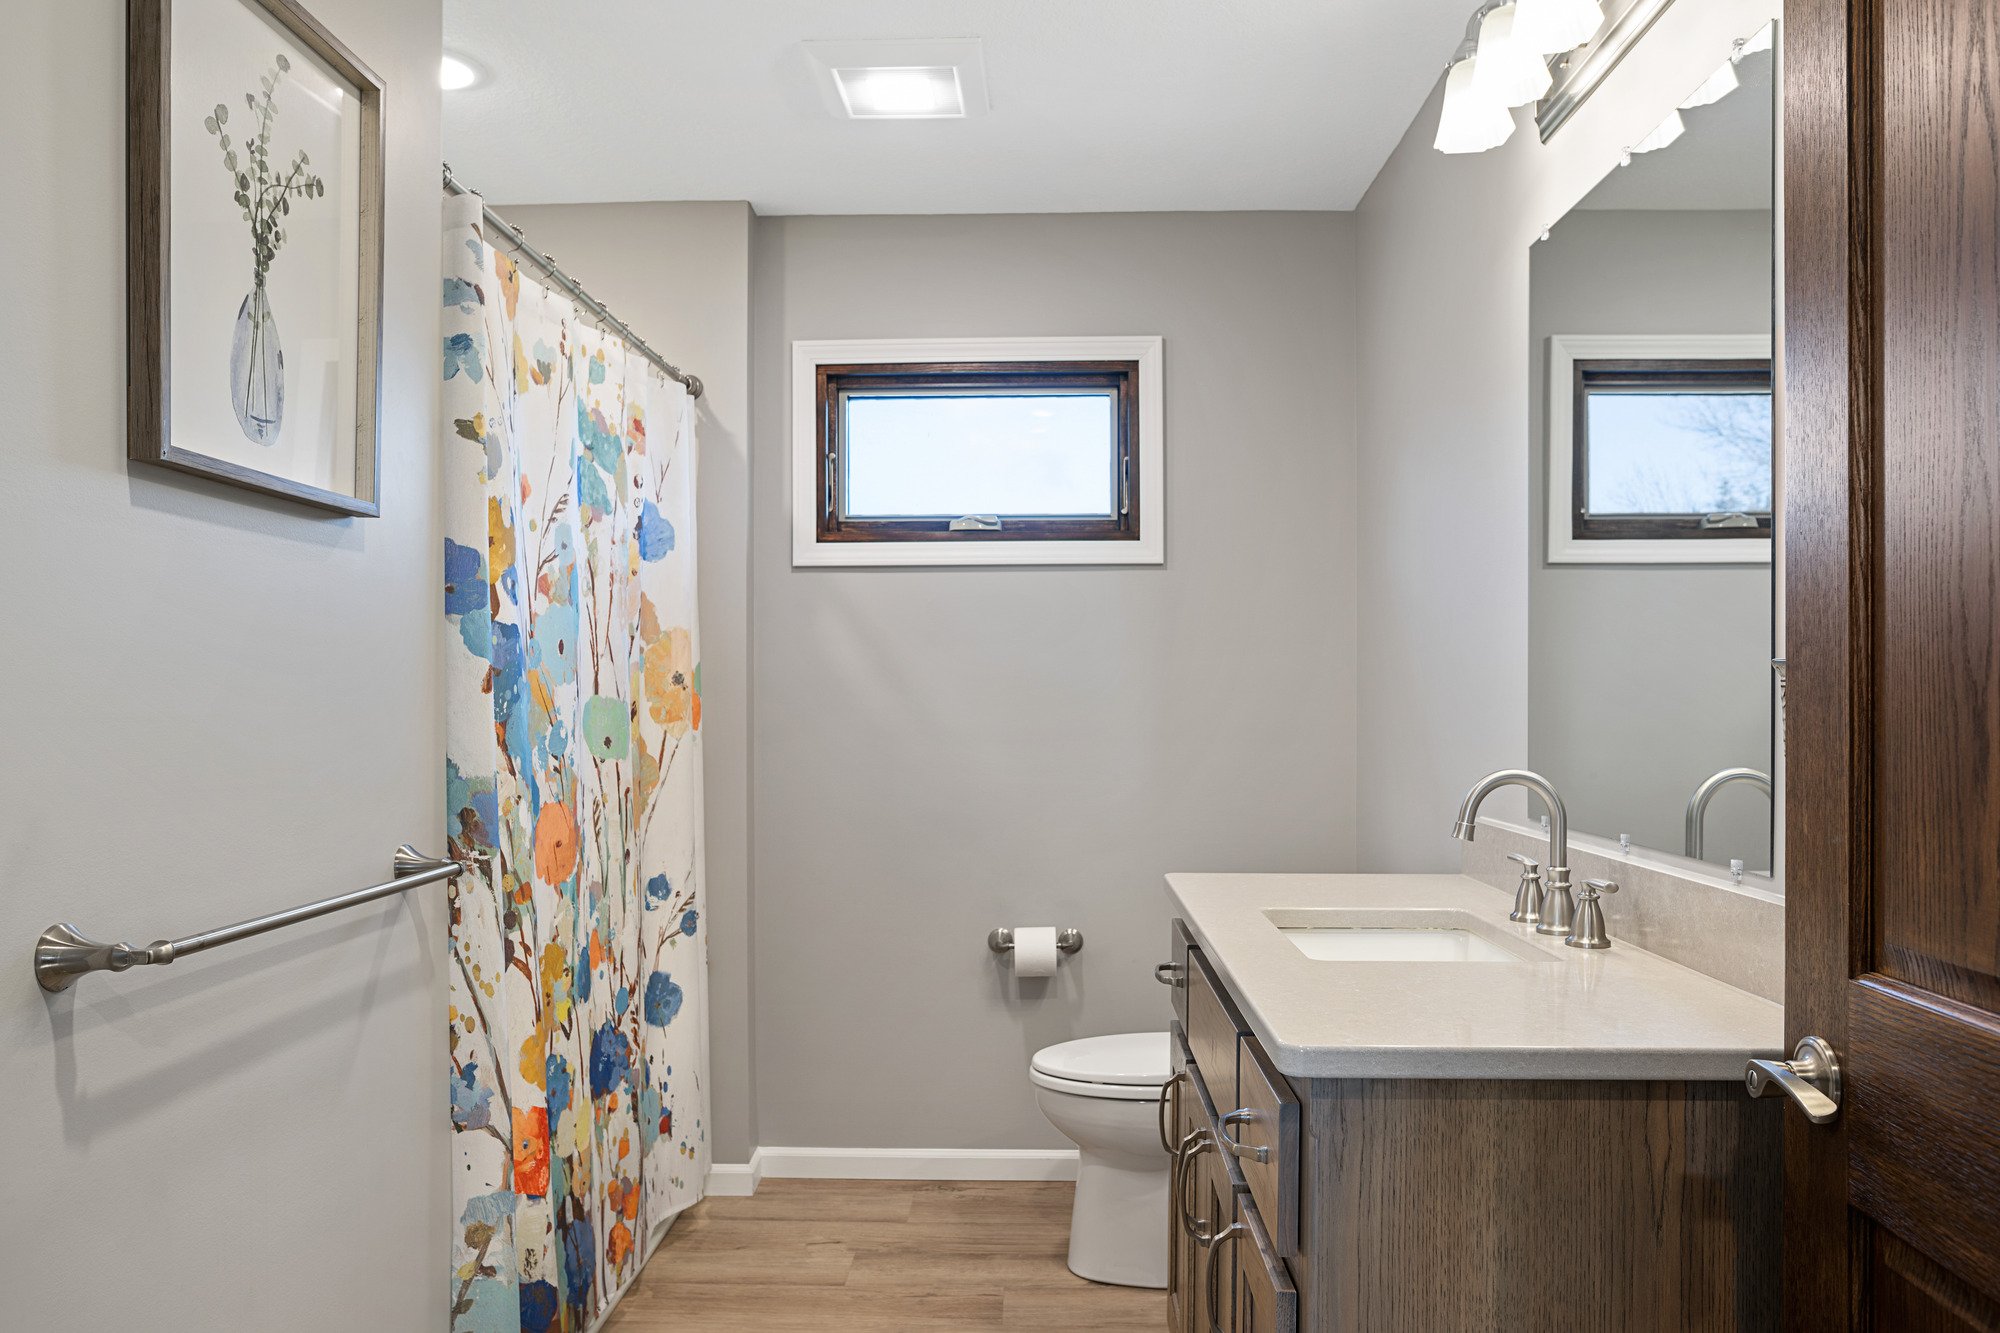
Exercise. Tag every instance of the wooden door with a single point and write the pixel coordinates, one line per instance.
(1892, 386)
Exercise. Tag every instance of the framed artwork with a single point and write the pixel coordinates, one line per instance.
(254, 248)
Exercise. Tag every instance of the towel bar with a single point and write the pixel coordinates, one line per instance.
(64, 953)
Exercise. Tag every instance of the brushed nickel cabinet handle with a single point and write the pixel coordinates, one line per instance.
(1811, 1078)
(1199, 1229)
(1214, 1287)
(1170, 1105)
(1243, 1115)
(1177, 1181)
(1170, 974)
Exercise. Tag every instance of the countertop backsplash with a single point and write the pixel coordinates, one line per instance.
(1734, 933)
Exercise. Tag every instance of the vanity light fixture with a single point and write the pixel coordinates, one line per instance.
(1471, 122)
(1663, 134)
(1724, 81)
(1715, 87)
(1551, 27)
(1508, 72)
(456, 74)
(1503, 63)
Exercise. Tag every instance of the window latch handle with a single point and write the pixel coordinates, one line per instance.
(976, 523)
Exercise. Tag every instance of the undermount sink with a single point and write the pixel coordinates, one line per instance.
(1419, 936)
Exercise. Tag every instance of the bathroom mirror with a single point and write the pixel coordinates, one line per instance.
(1652, 700)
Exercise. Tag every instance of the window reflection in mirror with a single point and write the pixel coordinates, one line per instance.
(1651, 591)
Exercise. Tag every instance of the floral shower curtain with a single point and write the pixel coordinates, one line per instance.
(579, 1044)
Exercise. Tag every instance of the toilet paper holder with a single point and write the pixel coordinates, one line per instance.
(1068, 940)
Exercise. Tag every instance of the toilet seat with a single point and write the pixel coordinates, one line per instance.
(1126, 1066)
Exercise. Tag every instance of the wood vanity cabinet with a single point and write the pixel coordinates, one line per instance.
(1432, 1205)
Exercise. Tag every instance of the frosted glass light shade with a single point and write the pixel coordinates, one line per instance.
(1549, 27)
(1663, 134)
(1470, 122)
(1715, 87)
(1508, 72)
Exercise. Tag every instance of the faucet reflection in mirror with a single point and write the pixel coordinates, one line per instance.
(1697, 811)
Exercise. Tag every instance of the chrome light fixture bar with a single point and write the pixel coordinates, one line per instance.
(1577, 77)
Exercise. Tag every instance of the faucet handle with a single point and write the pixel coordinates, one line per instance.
(1588, 932)
(1528, 897)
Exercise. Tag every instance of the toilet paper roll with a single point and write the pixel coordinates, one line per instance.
(1035, 951)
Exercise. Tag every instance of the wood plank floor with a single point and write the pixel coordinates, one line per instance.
(877, 1254)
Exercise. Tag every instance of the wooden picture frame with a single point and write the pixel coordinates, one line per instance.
(155, 431)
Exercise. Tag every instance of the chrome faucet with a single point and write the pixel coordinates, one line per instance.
(1558, 911)
(1697, 811)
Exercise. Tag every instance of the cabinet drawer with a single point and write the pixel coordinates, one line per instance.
(1213, 1031)
(1174, 971)
(1264, 1128)
(1265, 1300)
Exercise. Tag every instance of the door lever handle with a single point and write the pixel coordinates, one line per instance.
(1811, 1078)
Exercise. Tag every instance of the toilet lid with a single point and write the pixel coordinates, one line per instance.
(1132, 1059)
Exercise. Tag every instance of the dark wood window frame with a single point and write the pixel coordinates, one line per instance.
(1655, 376)
(834, 382)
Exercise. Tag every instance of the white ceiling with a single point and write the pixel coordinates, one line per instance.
(1097, 105)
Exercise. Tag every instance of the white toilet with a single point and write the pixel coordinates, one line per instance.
(1103, 1093)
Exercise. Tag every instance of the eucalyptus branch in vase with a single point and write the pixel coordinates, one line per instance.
(264, 195)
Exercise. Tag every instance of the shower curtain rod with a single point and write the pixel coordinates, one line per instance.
(548, 265)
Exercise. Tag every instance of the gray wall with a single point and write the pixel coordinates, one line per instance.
(1645, 679)
(679, 274)
(1443, 437)
(219, 705)
(938, 752)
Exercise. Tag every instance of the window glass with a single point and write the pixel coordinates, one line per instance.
(1678, 453)
(948, 454)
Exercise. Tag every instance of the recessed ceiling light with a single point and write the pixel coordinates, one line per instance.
(905, 93)
(455, 73)
(901, 79)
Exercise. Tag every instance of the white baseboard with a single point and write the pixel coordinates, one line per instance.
(737, 1180)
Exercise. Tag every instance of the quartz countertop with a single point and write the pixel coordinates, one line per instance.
(1550, 1012)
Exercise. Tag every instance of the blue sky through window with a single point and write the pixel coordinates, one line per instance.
(934, 455)
(1679, 453)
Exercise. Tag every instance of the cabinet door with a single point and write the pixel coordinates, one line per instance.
(1183, 1115)
(1215, 1216)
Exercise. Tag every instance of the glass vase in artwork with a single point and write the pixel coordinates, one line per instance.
(257, 369)
(264, 193)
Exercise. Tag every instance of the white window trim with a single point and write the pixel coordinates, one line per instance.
(809, 355)
(1565, 350)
